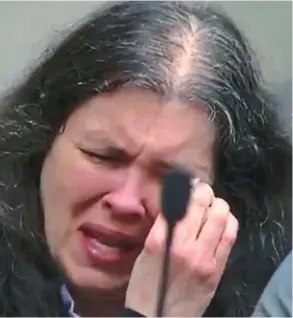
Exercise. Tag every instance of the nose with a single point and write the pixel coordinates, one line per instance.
(126, 199)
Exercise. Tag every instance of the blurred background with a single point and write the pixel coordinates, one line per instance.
(28, 27)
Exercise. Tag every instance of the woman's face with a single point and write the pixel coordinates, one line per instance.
(101, 180)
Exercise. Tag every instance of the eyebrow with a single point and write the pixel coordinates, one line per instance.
(101, 138)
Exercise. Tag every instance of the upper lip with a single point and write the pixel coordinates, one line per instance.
(113, 236)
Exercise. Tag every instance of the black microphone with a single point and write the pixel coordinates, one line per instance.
(175, 197)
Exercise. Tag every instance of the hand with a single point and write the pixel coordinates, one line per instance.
(201, 246)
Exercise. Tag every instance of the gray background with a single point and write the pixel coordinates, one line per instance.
(28, 27)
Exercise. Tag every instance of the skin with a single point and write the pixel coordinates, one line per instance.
(83, 180)
(201, 246)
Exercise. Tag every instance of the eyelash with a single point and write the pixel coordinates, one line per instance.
(106, 158)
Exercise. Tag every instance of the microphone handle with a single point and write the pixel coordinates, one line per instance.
(165, 270)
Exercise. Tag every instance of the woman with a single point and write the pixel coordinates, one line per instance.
(85, 141)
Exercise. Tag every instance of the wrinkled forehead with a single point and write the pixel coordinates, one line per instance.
(138, 120)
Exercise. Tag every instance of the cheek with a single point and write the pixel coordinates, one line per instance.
(66, 188)
(152, 194)
(84, 181)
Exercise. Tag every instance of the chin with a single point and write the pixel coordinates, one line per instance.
(85, 276)
(95, 280)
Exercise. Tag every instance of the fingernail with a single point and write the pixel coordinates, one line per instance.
(195, 182)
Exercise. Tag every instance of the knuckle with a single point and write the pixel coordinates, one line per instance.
(203, 194)
(180, 254)
(229, 239)
(230, 235)
(235, 224)
(154, 242)
(205, 270)
(222, 205)
(220, 211)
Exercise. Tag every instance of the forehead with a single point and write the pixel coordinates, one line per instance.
(141, 121)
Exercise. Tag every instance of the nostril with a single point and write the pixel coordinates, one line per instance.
(125, 200)
(107, 204)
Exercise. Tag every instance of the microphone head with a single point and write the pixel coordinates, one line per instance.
(175, 194)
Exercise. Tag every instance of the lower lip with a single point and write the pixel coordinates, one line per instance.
(100, 255)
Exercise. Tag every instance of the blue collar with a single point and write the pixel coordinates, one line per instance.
(68, 302)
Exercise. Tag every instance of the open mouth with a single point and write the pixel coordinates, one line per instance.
(105, 245)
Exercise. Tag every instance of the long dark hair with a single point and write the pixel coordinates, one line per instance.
(143, 43)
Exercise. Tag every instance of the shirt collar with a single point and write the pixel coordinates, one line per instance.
(68, 302)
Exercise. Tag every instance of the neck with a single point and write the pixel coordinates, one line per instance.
(97, 305)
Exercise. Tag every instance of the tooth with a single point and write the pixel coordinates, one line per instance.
(104, 246)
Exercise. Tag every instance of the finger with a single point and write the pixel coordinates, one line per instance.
(227, 241)
(202, 194)
(201, 198)
(212, 230)
(157, 235)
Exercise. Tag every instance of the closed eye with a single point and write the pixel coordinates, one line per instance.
(108, 156)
